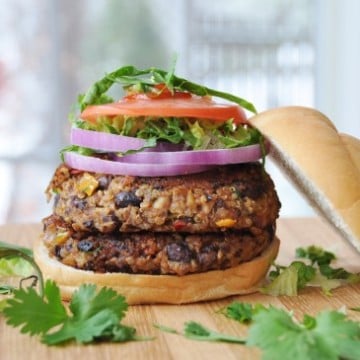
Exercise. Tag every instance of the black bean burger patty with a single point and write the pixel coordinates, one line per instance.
(153, 253)
(235, 197)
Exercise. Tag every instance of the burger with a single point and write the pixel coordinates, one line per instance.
(163, 195)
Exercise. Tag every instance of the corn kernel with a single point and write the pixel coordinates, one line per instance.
(227, 223)
(61, 237)
(87, 184)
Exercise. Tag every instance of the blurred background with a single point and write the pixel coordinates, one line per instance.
(271, 52)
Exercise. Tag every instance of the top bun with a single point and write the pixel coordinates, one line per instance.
(323, 164)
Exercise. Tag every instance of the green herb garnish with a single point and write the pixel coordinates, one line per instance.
(94, 315)
(145, 80)
(329, 335)
(315, 270)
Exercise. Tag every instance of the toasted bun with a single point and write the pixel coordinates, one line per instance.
(146, 289)
(322, 163)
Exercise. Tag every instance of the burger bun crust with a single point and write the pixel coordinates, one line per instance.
(322, 163)
(170, 289)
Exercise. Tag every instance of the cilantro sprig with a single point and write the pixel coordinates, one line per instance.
(143, 80)
(195, 331)
(329, 335)
(314, 268)
(93, 315)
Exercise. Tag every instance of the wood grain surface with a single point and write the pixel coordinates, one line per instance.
(292, 232)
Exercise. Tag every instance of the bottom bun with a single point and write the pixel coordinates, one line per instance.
(168, 289)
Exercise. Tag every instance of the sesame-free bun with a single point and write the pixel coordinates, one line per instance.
(321, 162)
(170, 289)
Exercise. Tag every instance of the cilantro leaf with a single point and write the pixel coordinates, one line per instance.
(86, 302)
(93, 315)
(83, 330)
(240, 311)
(195, 331)
(323, 259)
(3, 304)
(328, 336)
(34, 313)
(316, 255)
(121, 333)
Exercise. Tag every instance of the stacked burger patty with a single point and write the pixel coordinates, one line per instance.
(161, 225)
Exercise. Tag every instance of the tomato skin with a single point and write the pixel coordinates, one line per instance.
(182, 106)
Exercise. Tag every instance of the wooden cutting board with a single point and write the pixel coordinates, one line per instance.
(292, 232)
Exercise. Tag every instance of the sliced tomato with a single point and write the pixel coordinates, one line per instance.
(194, 106)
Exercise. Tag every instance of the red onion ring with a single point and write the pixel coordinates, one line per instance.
(107, 142)
(196, 157)
(93, 164)
(104, 141)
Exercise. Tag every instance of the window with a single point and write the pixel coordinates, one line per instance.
(52, 50)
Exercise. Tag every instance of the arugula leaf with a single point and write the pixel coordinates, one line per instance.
(327, 336)
(129, 76)
(94, 315)
(75, 148)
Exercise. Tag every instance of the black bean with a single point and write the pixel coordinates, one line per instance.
(57, 251)
(89, 224)
(220, 203)
(104, 182)
(109, 223)
(178, 252)
(79, 203)
(251, 190)
(85, 245)
(208, 197)
(56, 200)
(126, 198)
